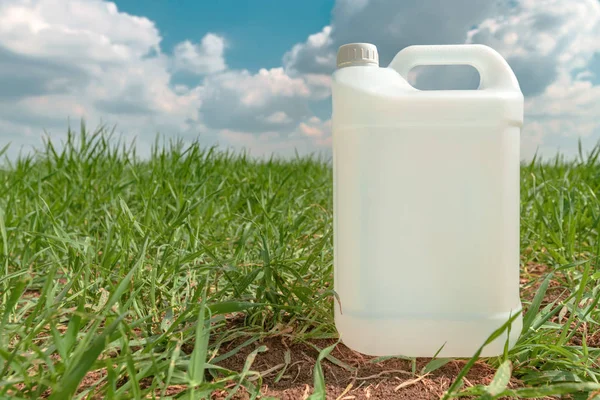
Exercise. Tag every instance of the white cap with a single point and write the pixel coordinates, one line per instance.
(357, 54)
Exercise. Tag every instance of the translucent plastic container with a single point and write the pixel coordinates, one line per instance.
(426, 204)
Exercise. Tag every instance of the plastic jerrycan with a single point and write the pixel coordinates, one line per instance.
(426, 204)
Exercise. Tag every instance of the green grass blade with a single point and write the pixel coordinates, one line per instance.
(534, 308)
(125, 282)
(501, 379)
(463, 372)
(245, 370)
(73, 376)
(552, 390)
(199, 354)
(319, 389)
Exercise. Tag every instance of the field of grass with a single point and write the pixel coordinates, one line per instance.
(204, 274)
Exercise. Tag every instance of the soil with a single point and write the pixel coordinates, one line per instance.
(532, 276)
(390, 379)
(367, 380)
(355, 376)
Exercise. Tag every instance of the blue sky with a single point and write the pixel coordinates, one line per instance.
(256, 74)
(258, 32)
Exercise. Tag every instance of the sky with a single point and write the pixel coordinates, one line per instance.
(256, 75)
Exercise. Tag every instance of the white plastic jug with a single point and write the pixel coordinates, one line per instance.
(426, 204)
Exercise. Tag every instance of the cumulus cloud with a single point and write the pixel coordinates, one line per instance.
(550, 44)
(541, 39)
(391, 25)
(315, 56)
(242, 101)
(56, 46)
(63, 59)
(87, 31)
(278, 117)
(75, 59)
(311, 135)
(318, 131)
(267, 143)
(269, 111)
(535, 36)
(202, 58)
(72, 59)
(568, 109)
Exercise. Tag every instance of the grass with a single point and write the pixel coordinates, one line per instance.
(124, 278)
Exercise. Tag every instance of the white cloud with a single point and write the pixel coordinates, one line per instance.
(535, 36)
(532, 139)
(63, 59)
(568, 109)
(75, 59)
(542, 39)
(311, 135)
(585, 75)
(256, 90)
(266, 144)
(278, 117)
(318, 131)
(318, 84)
(391, 25)
(242, 101)
(311, 131)
(566, 98)
(74, 30)
(546, 42)
(205, 57)
(313, 56)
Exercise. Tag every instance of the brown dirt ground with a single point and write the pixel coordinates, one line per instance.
(390, 379)
(367, 381)
(532, 276)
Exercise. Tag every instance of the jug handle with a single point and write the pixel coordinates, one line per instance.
(493, 69)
